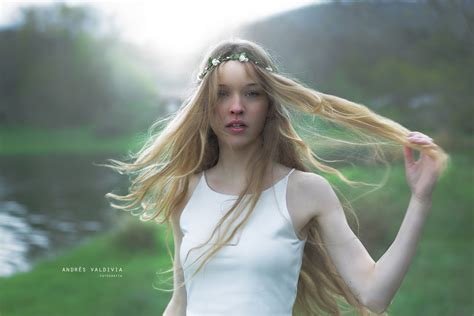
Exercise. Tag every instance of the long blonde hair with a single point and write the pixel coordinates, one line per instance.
(185, 145)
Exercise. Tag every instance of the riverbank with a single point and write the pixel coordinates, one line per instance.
(110, 274)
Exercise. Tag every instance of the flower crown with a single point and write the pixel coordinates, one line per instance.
(242, 57)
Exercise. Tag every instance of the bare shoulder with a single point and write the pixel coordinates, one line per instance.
(313, 193)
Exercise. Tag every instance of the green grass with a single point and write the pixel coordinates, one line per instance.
(47, 290)
(439, 281)
(80, 140)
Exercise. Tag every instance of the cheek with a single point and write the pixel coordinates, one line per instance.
(214, 123)
(218, 115)
(262, 113)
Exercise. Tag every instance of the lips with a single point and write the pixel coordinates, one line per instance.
(236, 124)
(236, 129)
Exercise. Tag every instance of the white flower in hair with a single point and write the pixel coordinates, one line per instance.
(243, 58)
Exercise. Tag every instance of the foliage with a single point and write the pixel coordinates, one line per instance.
(409, 61)
(58, 72)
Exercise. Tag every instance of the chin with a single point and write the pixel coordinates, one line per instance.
(238, 142)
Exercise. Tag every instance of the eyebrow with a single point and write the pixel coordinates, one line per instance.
(247, 85)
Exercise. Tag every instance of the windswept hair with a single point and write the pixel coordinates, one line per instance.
(185, 144)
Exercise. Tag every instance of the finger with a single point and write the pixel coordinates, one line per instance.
(422, 156)
(408, 156)
(420, 139)
(427, 158)
(419, 135)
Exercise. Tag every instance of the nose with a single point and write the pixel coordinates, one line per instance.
(236, 105)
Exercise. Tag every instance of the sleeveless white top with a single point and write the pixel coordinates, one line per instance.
(256, 273)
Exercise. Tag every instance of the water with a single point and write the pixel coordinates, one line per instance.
(50, 203)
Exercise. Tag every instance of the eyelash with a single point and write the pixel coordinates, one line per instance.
(253, 93)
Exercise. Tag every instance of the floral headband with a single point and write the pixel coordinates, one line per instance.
(242, 57)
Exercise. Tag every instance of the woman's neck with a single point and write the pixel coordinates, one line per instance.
(233, 162)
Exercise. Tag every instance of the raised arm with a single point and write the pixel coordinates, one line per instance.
(375, 283)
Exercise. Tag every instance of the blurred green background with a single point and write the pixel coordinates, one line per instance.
(70, 97)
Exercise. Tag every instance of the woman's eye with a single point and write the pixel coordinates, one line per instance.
(222, 93)
(253, 93)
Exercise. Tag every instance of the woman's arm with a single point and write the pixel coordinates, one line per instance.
(392, 267)
(374, 283)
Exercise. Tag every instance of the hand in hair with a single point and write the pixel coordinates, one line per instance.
(423, 173)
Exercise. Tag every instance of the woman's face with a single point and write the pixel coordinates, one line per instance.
(240, 97)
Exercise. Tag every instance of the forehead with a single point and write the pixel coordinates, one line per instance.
(236, 73)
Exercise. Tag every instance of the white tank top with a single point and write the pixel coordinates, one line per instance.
(256, 274)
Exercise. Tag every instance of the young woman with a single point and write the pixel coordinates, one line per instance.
(256, 232)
